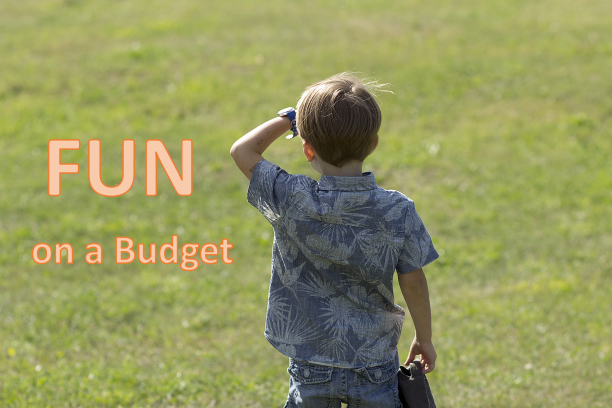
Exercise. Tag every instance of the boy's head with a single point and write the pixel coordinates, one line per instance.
(339, 118)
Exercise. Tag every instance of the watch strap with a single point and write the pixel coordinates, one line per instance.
(291, 114)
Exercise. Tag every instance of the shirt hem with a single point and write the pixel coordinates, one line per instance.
(272, 340)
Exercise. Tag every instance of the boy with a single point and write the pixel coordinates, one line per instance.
(337, 243)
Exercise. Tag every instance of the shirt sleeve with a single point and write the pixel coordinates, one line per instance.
(269, 190)
(418, 250)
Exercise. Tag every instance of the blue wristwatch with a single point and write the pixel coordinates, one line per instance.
(290, 113)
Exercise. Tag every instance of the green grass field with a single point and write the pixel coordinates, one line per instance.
(499, 128)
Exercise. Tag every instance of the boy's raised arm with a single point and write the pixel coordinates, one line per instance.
(248, 150)
(416, 294)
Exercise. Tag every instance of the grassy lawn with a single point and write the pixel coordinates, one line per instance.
(499, 128)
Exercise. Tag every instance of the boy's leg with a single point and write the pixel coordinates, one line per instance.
(310, 386)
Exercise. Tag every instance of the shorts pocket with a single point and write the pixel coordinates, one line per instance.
(380, 374)
(377, 386)
(309, 374)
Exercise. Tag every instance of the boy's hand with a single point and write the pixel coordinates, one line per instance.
(427, 352)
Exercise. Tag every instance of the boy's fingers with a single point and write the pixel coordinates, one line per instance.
(428, 367)
(428, 364)
(410, 359)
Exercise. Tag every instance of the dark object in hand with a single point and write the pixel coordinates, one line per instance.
(414, 391)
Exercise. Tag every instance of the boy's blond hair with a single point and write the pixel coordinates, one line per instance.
(340, 118)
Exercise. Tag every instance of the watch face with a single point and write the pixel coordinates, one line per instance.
(283, 112)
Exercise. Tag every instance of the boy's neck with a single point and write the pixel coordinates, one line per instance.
(350, 169)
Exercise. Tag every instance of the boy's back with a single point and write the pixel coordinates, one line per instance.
(337, 244)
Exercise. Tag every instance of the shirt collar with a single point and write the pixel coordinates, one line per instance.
(363, 183)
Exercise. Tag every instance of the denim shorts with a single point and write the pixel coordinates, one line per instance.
(317, 386)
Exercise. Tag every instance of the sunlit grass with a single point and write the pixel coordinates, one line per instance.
(498, 128)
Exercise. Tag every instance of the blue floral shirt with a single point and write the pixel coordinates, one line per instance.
(337, 243)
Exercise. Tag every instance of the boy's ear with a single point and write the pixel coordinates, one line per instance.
(308, 150)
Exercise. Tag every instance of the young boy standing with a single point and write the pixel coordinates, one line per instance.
(337, 244)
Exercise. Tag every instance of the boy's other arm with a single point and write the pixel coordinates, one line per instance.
(416, 294)
(248, 150)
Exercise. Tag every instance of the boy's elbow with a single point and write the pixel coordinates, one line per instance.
(234, 150)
